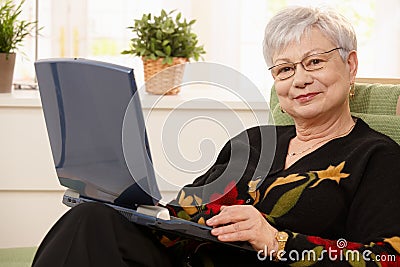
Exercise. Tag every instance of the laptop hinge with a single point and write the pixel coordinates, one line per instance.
(71, 193)
(155, 211)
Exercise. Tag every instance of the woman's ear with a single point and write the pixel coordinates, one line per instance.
(352, 60)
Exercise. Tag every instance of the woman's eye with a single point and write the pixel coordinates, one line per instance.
(285, 69)
(314, 63)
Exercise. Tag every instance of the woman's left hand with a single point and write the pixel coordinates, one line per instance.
(244, 223)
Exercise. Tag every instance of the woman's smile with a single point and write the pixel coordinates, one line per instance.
(304, 98)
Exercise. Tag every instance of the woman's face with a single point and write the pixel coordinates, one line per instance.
(318, 93)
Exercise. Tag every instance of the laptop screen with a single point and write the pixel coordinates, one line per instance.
(84, 104)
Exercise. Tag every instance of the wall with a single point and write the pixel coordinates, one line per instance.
(30, 195)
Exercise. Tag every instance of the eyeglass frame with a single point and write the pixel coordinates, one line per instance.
(294, 64)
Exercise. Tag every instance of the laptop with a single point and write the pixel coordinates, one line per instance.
(84, 104)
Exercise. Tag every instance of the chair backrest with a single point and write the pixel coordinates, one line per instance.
(376, 101)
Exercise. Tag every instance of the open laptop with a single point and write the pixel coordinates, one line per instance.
(84, 104)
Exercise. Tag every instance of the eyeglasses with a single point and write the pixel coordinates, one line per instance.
(310, 63)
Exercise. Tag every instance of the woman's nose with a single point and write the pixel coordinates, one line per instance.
(301, 77)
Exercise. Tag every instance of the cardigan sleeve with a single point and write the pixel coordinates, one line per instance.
(373, 224)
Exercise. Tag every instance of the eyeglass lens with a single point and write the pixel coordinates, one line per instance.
(310, 63)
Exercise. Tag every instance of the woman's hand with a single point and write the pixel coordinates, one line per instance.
(244, 223)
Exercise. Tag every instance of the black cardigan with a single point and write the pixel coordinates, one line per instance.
(345, 191)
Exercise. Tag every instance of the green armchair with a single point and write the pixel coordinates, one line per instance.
(377, 104)
(17, 257)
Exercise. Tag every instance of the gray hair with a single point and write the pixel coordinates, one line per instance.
(292, 23)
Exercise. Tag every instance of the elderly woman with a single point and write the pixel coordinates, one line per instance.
(333, 177)
(330, 196)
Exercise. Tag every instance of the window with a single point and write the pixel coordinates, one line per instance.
(231, 31)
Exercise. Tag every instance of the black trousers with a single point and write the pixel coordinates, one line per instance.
(94, 234)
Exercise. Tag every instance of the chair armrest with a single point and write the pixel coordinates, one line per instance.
(17, 257)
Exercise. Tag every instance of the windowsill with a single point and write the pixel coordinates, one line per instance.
(192, 97)
(205, 97)
(21, 98)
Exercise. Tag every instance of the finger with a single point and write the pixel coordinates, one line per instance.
(228, 215)
(235, 236)
(231, 228)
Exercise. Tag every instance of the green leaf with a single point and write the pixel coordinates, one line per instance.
(167, 29)
(287, 201)
(178, 17)
(183, 215)
(159, 53)
(165, 61)
(159, 34)
(153, 57)
(141, 51)
(167, 50)
(355, 260)
(172, 11)
(270, 219)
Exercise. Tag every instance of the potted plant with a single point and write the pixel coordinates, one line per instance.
(12, 32)
(164, 41)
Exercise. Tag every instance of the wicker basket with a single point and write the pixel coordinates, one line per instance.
(163, 79)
